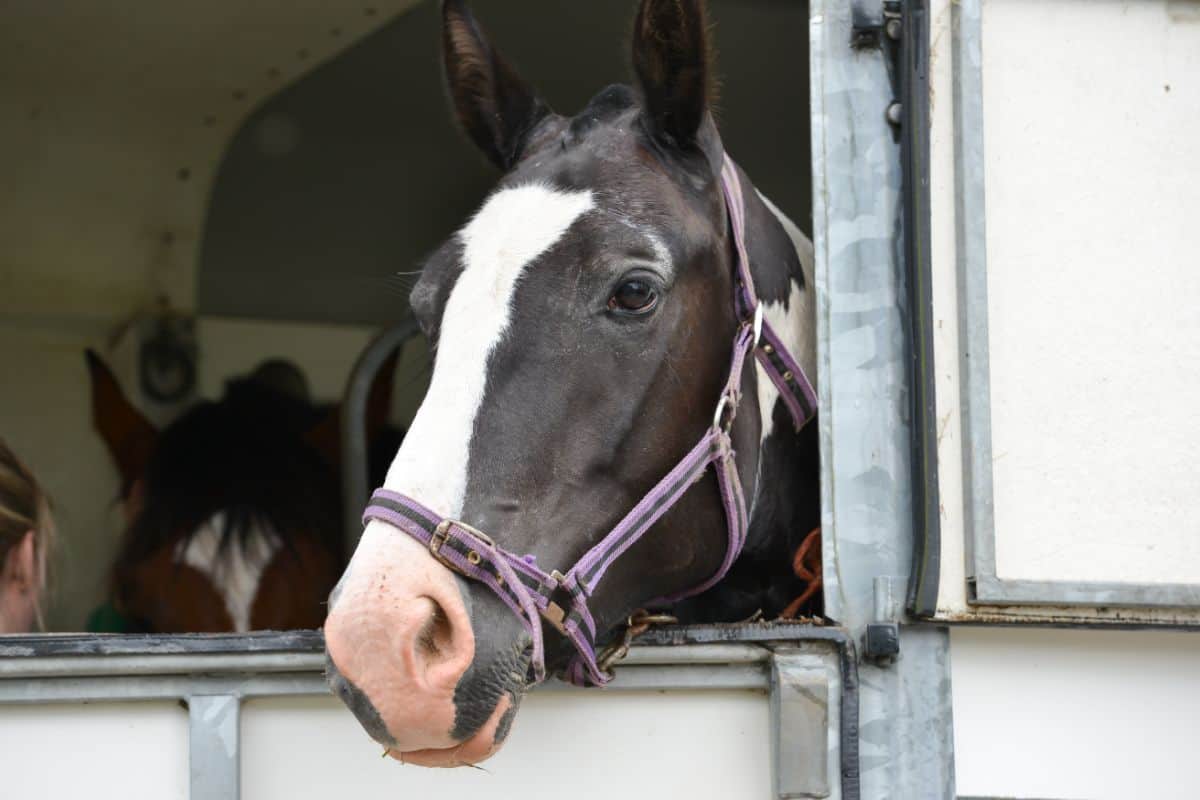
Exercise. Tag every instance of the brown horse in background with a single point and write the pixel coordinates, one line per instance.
(234, 510)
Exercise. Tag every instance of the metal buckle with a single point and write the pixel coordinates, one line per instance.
(554, 614)
(441, 535)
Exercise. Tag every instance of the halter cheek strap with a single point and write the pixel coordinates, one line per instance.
(561, 600)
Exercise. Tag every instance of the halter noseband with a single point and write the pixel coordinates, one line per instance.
(527, 589)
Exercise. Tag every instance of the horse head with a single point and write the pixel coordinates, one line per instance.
(233, 510)
(582, 322)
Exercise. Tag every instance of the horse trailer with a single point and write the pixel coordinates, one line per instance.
(1000, 197)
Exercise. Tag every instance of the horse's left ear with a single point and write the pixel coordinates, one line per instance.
(129, 435)
(672, 62)
(496, 108)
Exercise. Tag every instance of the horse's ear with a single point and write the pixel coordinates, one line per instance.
(671, 59)
(496, 108)
(129, 435)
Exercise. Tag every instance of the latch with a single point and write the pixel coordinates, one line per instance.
(883, 31)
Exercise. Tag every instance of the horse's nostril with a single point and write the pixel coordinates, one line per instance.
(434, 638)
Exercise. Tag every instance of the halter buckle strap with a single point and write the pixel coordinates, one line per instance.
(526, 589)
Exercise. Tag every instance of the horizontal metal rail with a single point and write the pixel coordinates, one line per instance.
(94, 665)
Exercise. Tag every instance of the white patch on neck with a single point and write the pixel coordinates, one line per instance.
(234, 572)
(513, 228)
(790, 321)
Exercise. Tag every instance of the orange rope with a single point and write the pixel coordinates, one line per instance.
(806, 565)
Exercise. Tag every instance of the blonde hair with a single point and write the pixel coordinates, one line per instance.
(24, 507)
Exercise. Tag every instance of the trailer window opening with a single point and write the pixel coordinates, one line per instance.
(281, 248)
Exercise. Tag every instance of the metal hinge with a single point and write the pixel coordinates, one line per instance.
(883, 32)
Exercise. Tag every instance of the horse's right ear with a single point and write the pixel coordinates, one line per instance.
(496, 108)
(129, 435)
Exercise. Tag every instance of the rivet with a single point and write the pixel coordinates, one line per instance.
(766, 348)
(473, 557)
(787, 376)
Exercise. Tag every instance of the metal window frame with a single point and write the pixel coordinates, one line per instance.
(809, 673)
(985, 586)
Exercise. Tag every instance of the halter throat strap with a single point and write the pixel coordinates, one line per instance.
(536, 596)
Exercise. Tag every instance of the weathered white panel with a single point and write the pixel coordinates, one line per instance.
(1093, 258)
(1106, 715)
(638, 744)
(1092, 294)
(135, 751)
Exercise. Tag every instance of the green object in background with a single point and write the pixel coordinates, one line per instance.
(106, 619)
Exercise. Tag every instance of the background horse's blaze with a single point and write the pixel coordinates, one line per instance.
(552, 411)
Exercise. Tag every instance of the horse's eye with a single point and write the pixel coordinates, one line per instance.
(633, 296)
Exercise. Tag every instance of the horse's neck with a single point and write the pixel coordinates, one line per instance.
(781, 259)
(786, 501)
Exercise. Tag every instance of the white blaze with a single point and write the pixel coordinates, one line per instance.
(233, 572)
(513, 228)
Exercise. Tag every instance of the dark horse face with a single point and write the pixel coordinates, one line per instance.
(583, 322)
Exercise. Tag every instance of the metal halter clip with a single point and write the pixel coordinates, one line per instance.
(441, 535)
(720, 412)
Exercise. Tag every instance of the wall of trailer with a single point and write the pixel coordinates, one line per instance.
(748, 712)
(1059, 714)
(646, 744)
(1064, 296)
(1065, 289)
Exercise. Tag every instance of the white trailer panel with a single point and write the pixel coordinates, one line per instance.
(1066, 288)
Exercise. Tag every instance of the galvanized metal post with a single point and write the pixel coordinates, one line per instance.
(862, 331)
(214, 753)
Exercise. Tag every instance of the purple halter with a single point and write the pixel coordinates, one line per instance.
(527, 589)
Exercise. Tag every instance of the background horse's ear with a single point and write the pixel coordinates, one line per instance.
(326, 436)
(494, 105)
(671, 59)
(129, 435)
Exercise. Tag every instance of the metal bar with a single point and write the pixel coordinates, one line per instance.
(259, 663)
(96, 688)
(1013, 592)
(971, 244)
(354, 429)
(213, 753)
(152, 644)
(916, 216)
(52, 666)
(863, 366)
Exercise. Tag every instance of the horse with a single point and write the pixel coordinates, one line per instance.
(233, 510)
(583, 321)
